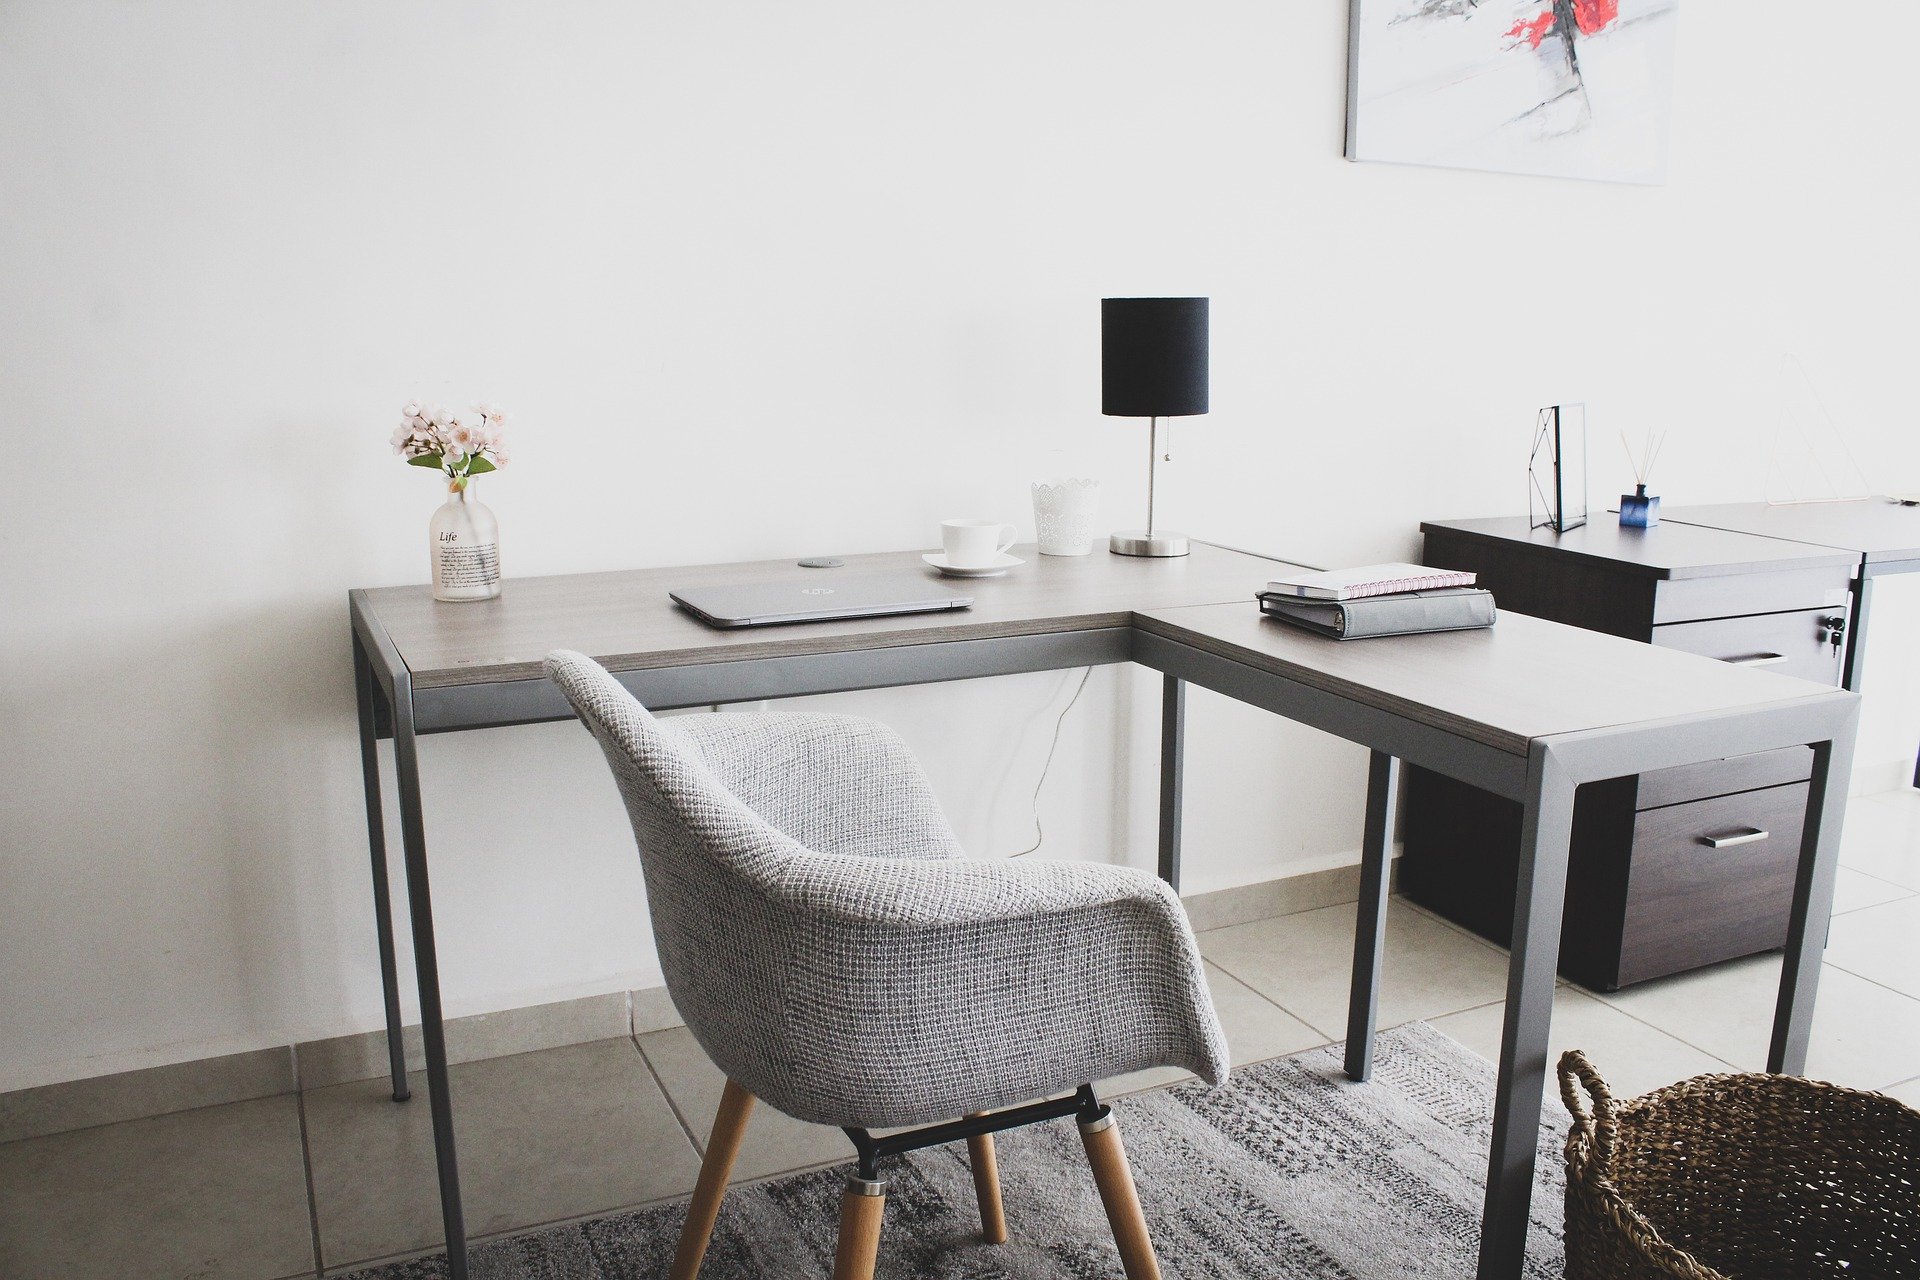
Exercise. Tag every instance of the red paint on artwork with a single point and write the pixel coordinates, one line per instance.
(1593, 16)
(1590, 16)
(1534, 31)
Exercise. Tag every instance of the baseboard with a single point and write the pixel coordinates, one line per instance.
(150, 1091)
(315, 1064)
(363, 1056)
(1284, 897)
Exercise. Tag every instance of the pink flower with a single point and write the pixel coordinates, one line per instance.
(455, 437)
(463, 437)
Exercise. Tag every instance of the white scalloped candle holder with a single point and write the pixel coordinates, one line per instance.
(1064, 513)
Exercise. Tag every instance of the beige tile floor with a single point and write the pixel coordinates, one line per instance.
(333, 1178)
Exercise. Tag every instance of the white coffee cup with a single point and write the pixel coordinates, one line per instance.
(975, 544)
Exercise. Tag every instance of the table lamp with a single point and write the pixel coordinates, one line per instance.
(1153, 364)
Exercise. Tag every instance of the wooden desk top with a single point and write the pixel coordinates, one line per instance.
(1521, 679)
(1671, 549)
(1872, 528)
(626, 621)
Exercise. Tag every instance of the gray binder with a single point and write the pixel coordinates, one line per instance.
(1406, 614)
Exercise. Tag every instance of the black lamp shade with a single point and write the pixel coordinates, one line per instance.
(1153, 357)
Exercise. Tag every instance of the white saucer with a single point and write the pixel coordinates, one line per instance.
(993, 569)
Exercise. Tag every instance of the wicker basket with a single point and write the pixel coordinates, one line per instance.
(1740, 1177)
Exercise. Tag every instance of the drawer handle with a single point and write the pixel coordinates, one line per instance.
(1753, 836)
(1757, 660)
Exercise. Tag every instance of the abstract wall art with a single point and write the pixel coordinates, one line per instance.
(1560, 88)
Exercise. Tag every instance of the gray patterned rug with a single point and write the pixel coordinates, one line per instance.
(1290, 1172)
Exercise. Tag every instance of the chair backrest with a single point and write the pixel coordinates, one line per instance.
(700, 849)
(674, 798)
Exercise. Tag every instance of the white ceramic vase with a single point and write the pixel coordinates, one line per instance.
(463, 541)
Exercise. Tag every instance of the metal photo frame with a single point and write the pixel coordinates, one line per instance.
(1557, 471)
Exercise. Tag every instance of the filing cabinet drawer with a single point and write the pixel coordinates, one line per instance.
(1692, 599)
(1722, 777)
(1710, 880)
(1792, 644)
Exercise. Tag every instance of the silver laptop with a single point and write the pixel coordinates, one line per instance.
(817, 598)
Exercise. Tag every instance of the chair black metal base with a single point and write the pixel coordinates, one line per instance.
(1082, 1104)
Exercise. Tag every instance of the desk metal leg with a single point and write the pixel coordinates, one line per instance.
(1854, 668)
(1173, 749)
(1812, 903)
(1546, 834)
(433, 1039)
(1370, 930)
(382, 895)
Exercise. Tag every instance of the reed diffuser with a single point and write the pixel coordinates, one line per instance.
(1639, 509)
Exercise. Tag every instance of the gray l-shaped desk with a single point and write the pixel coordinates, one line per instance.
(1529, 710)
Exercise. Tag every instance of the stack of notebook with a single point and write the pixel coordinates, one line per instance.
(1379, 600)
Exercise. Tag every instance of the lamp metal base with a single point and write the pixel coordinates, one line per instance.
(1138, 542)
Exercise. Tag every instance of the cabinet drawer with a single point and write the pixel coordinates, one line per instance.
(1722, 777)
(1711, 880)
(1793, 644)
(1691, 599)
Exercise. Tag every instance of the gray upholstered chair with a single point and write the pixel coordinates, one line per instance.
(838, 957)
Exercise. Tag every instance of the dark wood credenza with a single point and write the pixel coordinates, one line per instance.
(1670, 870)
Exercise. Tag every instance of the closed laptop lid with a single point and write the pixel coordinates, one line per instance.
(820, 595)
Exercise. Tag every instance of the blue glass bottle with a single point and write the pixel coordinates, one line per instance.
(1637, 510)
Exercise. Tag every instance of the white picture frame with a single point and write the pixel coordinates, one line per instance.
(1555, 88)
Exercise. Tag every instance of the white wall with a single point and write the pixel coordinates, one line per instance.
(759, 280)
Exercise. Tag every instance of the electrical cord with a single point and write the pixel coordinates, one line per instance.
(1039, 832)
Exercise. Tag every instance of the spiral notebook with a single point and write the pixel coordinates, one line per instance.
(1369, 580)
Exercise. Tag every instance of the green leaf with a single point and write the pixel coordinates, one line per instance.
(478, 465)
(426, 460)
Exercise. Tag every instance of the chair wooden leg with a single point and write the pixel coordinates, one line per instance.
(986, 1187)
(1115, 1180)
(861, 1206)
(723, 1144)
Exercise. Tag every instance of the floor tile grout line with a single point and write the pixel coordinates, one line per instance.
(1311, 1026)
(1904, 889)
(313, 1197)
(595, 1215)
(659, 1081)
(1264, 998)
(1462, 930)
(1628, 1014)
(1871, 981)
(1339, 1037)
(1884, 902)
